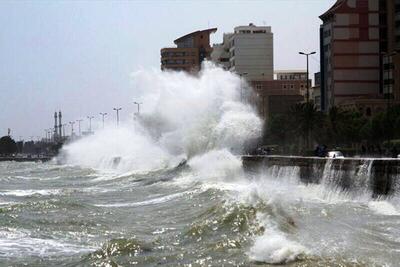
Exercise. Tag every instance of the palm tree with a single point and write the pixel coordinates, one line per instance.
(305, 119)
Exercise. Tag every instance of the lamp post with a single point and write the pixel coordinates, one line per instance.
(63, 126)
(72, 128)
(103, 115)
(117, 110)
(49, 133)
(90, 123)
(241, 85)
(307, 80)
(79, 126)
(45, 131)
(138, 106)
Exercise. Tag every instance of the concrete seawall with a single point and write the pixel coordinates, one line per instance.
(380, 176)
(26, 159)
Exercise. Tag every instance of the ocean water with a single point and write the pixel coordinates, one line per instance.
(60, 215)
(169, 190)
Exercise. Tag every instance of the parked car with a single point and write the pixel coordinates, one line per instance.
(335, 155)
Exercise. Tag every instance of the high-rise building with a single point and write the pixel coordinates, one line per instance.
(316, 90)
(350, 52)
(250, 52)
(192, 49)
(390, 47)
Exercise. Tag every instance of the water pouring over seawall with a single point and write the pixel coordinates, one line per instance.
(371, 176)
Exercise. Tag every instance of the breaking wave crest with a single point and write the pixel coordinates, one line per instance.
(185, 116)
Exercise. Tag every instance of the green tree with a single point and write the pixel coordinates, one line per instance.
(7, 145)
(305, 121)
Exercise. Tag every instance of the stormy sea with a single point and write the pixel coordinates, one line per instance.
(168, 189)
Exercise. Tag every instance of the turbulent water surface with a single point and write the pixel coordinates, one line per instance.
(63, 215)
(169, 189)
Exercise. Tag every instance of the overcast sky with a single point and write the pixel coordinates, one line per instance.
(77, 56)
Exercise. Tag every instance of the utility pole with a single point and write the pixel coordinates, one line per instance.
(307, 80)
(90, 123)
(117, 110)
(103, 115)
(63, 126)
(79, 126)
(138, 106)
(49, 133)
(72, 128)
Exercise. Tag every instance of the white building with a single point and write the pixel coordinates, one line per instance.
(220, 53)
(250, 52)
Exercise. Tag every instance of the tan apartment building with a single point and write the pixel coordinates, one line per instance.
(192, 49)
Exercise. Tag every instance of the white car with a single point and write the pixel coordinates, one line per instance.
(335, 155)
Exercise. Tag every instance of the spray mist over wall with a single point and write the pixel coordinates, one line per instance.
(184, 116)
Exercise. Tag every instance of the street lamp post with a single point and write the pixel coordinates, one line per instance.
(63, 128)
(307, 80)
(90, 123)
(45, 131)
(72, 128)
(117, 110)
(138, 106)
(241, 85)
(103, 115)
(79, 126)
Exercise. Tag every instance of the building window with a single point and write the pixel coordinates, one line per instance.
(291, 86)
(284, 86)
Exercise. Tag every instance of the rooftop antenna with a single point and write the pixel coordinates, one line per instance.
(264, 22)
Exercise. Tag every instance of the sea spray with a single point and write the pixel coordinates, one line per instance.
(184, 116)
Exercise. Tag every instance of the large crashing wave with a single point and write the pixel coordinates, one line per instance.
(184, 116)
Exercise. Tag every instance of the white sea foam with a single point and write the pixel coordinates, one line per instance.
(30, 192)
(16, 243)
(383, 207)
(152, 201)
(217, 165)
(275, 248)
